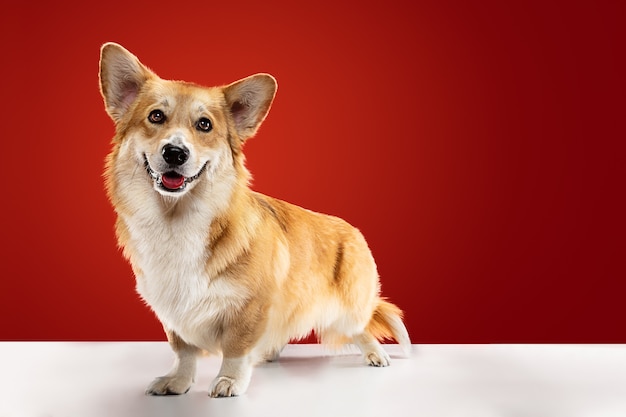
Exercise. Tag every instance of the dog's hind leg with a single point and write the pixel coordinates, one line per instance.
(385, 323)
(372, 350)
(180, 378)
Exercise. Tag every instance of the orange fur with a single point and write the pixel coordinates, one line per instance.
(224, 268)
(381, 326)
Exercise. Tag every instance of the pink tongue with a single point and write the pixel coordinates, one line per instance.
(172, 180)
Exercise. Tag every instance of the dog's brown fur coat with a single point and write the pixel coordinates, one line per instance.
(224, 268)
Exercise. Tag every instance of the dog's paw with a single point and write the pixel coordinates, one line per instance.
(169, 385)
(378, 359)
(224, 386)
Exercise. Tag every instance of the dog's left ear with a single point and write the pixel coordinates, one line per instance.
(249, 101)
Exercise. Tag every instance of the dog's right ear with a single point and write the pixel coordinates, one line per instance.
(121, 78)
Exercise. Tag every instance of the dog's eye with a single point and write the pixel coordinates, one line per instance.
(156, 116)
(204, 125)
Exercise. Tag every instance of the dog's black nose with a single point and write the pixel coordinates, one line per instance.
(175, 155)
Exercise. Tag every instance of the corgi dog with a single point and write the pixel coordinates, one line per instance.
(225, 269)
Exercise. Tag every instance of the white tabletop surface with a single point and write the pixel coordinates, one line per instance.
(50, 379)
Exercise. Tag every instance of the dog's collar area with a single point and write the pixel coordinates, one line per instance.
(158, 178)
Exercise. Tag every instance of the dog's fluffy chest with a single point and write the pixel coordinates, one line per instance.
(170, 257)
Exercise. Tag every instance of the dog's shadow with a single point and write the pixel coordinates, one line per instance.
(346, 357)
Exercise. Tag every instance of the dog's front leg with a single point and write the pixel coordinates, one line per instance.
(180, 378)
(233, 378)
(238, 343)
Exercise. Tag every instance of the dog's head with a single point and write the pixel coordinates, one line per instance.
(179, 133)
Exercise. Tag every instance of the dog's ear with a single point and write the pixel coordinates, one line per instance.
(249, 101)
(121, 78)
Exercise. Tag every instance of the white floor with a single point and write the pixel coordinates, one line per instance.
(108, 379)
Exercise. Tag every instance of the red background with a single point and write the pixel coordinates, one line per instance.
(480, 148)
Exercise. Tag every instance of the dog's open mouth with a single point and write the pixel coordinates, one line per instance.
(171, 181)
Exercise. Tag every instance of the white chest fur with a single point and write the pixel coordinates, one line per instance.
(170, 254)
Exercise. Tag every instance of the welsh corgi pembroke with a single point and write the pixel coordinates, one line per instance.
(225, 269)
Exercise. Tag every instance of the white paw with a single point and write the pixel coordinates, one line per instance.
(378, 359)
(169, 385)
(224, 386)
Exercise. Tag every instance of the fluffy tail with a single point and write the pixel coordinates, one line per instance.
(386, 323)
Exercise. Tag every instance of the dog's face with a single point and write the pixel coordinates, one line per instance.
(177, 132)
